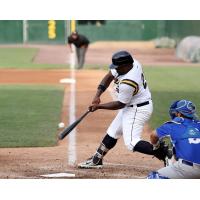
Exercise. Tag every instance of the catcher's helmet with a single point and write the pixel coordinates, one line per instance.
(185, 107)
(120, 58)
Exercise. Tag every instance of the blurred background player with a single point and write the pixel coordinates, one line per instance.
(134, 102)
(184, 130)
(81, 44)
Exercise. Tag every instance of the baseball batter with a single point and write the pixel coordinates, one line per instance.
(184, 130)
(134, 102)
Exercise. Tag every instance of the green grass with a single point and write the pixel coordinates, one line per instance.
(29, 115)
(22, 58)
(171, 83)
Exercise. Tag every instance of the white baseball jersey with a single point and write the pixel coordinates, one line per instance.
(132, 90)
(132, 87)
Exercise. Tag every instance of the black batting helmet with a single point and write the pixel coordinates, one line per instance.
(120, 58)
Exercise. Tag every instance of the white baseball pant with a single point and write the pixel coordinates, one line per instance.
(130, 122)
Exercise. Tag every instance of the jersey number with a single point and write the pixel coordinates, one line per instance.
(194, 140)
(144, 81)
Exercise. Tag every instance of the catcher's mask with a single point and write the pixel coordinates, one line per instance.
(121, 58)
(185, 107)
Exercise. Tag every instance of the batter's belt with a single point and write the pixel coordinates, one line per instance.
(189, 163)
(140, 104)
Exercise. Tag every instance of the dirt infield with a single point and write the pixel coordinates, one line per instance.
(119, 163)
(33, 162)
(99, 53)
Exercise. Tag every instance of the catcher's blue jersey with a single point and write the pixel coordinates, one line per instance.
(185, 135)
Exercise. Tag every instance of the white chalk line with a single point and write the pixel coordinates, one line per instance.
(72, 116)
(72, 112)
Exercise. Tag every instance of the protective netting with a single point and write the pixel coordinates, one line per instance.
(189, 49)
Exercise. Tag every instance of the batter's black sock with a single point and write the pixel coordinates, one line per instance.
(107, 144)
(144, 147)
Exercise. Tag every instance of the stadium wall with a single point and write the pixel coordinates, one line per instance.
(179, 29)
(36, 31)
(11, 31)
(120, 30)
(55, 31)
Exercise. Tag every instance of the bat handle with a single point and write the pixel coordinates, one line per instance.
(88, 111)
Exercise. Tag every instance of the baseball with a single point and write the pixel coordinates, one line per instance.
(61, 125)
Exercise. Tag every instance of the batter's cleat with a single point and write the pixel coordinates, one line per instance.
(89, 164)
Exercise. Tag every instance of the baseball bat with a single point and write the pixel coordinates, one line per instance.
(68, 129)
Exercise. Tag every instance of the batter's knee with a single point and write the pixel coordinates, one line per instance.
(130, 145)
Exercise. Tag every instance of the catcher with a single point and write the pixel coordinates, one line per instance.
(184, 130)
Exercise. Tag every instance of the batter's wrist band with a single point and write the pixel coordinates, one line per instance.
(101, 87)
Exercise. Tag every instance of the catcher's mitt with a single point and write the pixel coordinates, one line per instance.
(164, 149)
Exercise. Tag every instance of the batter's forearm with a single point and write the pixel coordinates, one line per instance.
(104, 84)
(99, 92)
(102, 87)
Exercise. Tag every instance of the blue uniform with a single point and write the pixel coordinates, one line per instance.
(185, 135)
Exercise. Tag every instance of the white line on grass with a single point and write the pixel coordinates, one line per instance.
(72, 112)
